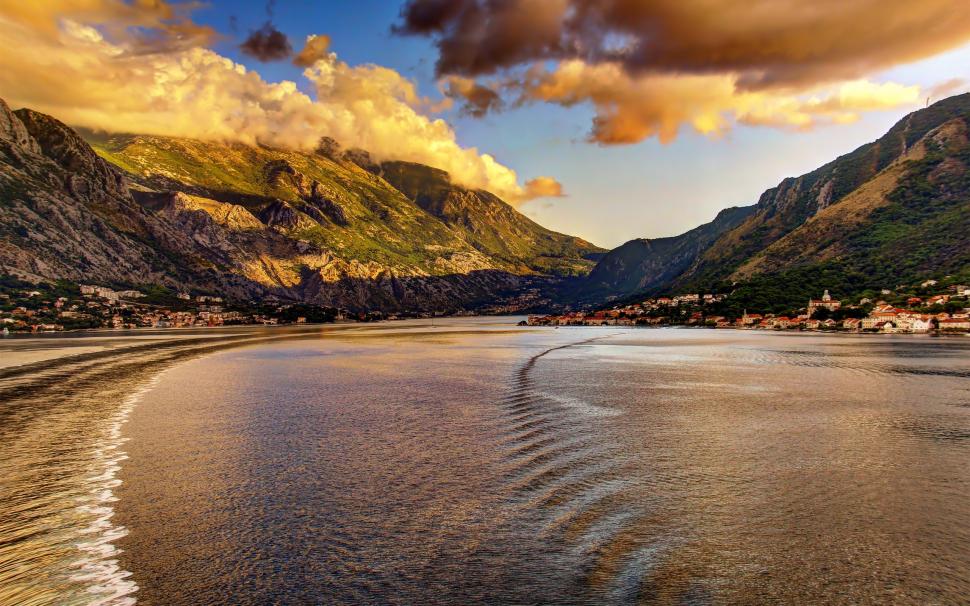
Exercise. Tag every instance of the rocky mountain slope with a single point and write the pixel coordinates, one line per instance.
(644, 264)
(323, 227)
(890, 212)
(844, 211)
(908, 223)
(342, 201)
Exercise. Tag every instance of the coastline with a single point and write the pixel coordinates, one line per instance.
(773, 331)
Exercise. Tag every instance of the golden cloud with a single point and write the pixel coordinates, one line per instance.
(314, 50)
(143, 26)
(659, 65)
(84, 62)
(543, 187)
(632, 108)
(477, 99)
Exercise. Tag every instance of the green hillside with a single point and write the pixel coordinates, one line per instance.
(352, 211)
(917, 229)
(252, 223)
(786, 207)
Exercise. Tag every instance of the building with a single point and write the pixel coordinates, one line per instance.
(782, 322)
(955, 324)
(686, 299)
(921, 324)
(749, 319)
(878, 319)
(826, 301)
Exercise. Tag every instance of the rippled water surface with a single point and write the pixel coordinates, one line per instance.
(477, 462)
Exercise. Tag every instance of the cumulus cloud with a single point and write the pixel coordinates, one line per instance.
(146, 26)
(766, 61)
(83, 66)
(544, 187)
(267, 44)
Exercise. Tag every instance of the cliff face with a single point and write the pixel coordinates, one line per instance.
(249, 221)
(66, 213)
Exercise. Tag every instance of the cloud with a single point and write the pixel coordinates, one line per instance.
(479, 37)
(145, 26)
(632, 108)
(314, 50)
(781, 54)
(765, 41)
(543, 187)
(267, 44)
(477, 99)
(71, 68)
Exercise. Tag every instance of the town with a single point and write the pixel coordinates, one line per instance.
(59, 306)
(924, 308)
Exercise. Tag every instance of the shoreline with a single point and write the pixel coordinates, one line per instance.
(933, 334)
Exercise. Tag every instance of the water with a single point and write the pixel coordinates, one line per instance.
(476, 462)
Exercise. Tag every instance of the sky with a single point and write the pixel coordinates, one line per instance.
(606, 119)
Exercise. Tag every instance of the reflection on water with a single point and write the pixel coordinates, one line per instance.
(479, 463)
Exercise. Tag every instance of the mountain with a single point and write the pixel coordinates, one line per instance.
(909, 223)
(644, 264)
(891, 212)
(488, 223)
(323, 226)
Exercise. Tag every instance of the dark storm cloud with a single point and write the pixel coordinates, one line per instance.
(267, 44)
(766, 42)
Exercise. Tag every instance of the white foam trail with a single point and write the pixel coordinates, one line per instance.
(107, 582)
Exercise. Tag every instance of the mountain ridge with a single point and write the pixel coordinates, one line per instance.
(787, 206)
(251, 222)
(892, 209)
(643, 264)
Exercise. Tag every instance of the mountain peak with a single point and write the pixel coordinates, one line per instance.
(12, 130)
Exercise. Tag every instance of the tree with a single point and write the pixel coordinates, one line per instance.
(821, 313)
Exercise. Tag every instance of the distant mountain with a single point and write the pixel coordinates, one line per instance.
(644, 264)
(324, 226)
(891, 212)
